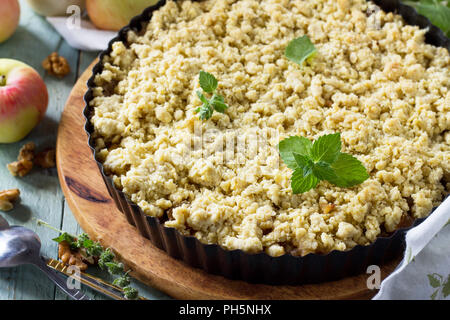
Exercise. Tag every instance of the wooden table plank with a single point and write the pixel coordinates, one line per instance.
(41, 195)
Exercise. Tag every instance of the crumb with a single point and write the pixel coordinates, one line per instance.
(327, 207)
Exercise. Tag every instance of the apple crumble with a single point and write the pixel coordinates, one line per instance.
(373, 79)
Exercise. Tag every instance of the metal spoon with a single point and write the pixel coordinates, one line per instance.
(19, 245)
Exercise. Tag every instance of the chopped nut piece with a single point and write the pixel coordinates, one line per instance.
(20, 168)
(7, 197)
(69, 257)
(24, 162)
(56, 65)
(6, 205)
(327, 207)
(46, 159)
(27, 152)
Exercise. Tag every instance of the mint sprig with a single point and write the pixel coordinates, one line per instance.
(437, 11)
(321, 160)
(209, 84)
(300, 49)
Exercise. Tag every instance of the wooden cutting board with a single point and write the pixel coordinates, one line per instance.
(97, 214)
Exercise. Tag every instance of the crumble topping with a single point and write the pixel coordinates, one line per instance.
(374, 79)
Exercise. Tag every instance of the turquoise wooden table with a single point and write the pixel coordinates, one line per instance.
(41, 195)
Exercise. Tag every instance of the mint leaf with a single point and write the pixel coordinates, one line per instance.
(300, 183)
(300, 49)
(218, 103)
(207, 82)
(349, 171)
(321, 160)
(326, 148)
(304, 163)
(294, 144)
(205, 112)
(436, 12)
(324, 171)
(202, 97)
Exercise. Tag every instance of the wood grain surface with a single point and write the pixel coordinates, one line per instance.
(95, 211)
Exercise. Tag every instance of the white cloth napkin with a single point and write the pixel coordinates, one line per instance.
(84, 36)
(424, 272)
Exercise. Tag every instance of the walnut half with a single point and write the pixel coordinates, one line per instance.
(24, 162)
(69, 257)
(7, 197)
(46, 159)
(56, 65)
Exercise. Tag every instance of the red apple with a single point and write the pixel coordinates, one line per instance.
(23, 100)
(9, 18)
(115, 14)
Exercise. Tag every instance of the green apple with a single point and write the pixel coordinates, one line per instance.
(23, 100)
(115, 14)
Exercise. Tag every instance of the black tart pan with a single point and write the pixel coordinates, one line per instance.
(260, 267)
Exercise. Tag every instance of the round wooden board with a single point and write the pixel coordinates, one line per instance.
(97, 214)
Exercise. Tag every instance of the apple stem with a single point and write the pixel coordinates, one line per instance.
(2, 81)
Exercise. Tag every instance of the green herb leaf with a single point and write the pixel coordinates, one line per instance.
(202, 97)
(304, 163)
(105, 257)
(435, 11)
(122, 281)
(434, 295)
(207, 82)
(65, 237)
(446, 287)
(115, 268)
(300, 49)
(205, 112)
(434, 280)
(130, 293)
(218, 103)
(294, 144)
(326, 148)
(349, 171)
(95, 249)
(321, 160)
(300, 183)
(324, 171)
